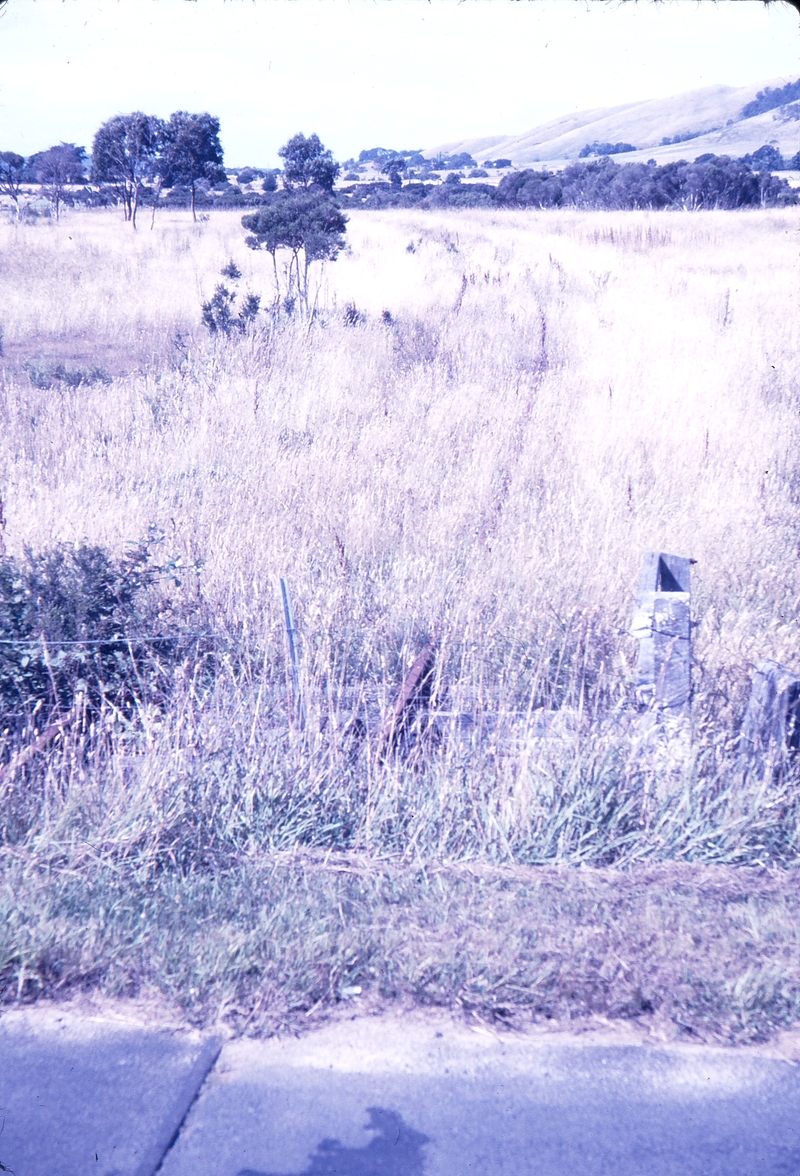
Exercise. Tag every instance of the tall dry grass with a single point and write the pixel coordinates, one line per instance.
(554, 395)
(548, 396)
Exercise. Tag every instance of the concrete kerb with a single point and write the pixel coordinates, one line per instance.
(258, 1107)
(421, 1093)
(99, 1093)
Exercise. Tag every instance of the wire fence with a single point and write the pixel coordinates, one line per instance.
(384, 681)
(121, 639)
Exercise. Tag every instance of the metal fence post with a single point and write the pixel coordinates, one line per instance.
(298, 704)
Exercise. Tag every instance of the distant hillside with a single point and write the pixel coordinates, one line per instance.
(710, 119)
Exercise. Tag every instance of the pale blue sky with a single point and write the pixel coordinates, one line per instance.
(362, 73)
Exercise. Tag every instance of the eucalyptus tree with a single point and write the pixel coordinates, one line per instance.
(12, 171)
(309, 225)
(192, 151)
(308, 164)
(126, 152)
(58, 168)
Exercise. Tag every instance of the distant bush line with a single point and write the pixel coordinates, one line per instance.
(710, 182)
(598, 148)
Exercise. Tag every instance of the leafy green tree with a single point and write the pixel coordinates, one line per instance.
(126, 152)
(192, 151)
(308, 224)
(57, 168)
(307, 163)
(394, 168)
(12, 170)
(767, 158)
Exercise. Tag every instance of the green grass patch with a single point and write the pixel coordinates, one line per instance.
(700, 952)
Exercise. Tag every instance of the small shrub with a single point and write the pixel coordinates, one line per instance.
(47, 374)
(251, 304)
(353, 316)
(71, 622)
(220, 313)
(294, 440)
(231, 270)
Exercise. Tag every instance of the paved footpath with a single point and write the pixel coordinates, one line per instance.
(412, 1095)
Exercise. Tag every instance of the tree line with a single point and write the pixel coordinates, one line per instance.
(131, 153)
(137, 154)
(133, 156)
(711, 181)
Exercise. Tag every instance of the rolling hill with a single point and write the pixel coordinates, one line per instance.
(708, 119)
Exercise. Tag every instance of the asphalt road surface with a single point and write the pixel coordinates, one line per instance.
(390, 1096)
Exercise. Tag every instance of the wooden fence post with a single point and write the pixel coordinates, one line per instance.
(772, 720)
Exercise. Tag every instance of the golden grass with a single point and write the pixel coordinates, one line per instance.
(606, 383)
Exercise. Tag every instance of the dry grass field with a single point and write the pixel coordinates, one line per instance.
(488, 420)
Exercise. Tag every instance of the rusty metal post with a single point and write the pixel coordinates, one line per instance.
(414, 692)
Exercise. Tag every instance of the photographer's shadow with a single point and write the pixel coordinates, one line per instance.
(394, 1150)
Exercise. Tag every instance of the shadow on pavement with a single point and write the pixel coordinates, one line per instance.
(396, 1150)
